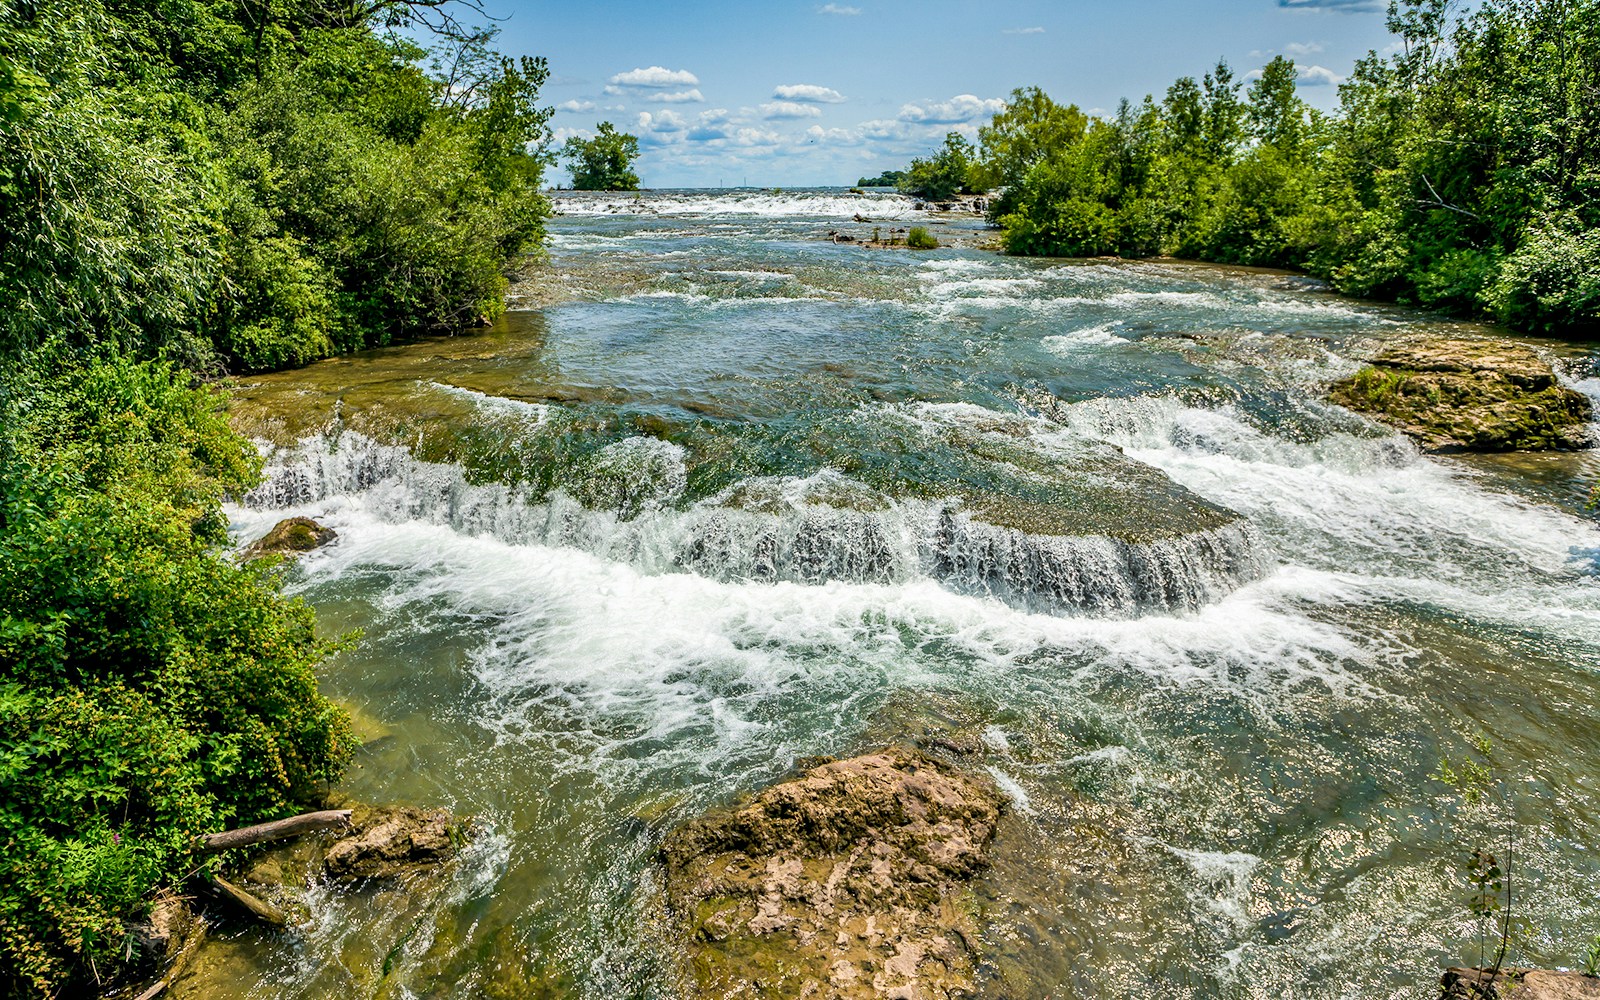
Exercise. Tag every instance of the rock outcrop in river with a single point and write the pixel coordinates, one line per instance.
(290, 537)
(849, 881)
(1469, 395)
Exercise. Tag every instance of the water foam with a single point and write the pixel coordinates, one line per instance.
(632, 514)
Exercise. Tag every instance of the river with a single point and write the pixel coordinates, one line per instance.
(722, 494)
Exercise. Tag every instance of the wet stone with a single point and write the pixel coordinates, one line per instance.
(851, 880)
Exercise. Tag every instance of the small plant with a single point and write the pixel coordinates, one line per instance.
(877, 234)
(1591, 959)
(1489, 882)
(920, 239)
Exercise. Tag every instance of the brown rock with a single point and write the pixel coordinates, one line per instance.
(1522, 984)
(848, 881)
(161, 936)
(291, 537)
(386, 842)
(1469, 395)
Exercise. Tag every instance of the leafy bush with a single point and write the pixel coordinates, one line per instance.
(151, 689)
(1551, 282)
(920, 239)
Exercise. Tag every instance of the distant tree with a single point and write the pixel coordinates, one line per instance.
(944, 175)
(887, 179)
(604, 163)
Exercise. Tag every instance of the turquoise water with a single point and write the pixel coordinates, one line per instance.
(735, 494)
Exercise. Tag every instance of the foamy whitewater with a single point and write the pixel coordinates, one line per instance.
(764, 496)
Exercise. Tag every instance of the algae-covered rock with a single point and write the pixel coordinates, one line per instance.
(1469, 395)
(292, 536)
(848, 881)
(386, 842)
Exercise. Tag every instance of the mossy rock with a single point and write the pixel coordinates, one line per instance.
(1469, 395)
(291, 537)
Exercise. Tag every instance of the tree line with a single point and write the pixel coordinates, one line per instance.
(1460, 173)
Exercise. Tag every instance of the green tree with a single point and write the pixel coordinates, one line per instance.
(604, 163)
(945, 174)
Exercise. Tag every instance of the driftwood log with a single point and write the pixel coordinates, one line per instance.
(280, 829)
(256, 907)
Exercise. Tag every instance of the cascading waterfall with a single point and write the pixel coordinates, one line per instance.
(801, 543)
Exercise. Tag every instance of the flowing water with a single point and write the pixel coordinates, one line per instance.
(725, 493)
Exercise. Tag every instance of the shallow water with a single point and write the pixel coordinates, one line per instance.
(745, 495)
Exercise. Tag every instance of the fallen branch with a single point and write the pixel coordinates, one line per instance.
(257, 907)
(280, 829)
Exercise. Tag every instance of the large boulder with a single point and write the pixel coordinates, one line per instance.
(291, 537)
(1455, 394)
(383, 843)
(1521, 984)
(849, 881)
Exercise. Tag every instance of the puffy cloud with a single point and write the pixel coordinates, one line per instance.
(833, 136)
(1318, 76)
(661, 121)
(561, 135)
(961, 108)
(840, 9)
(1024, 31)
(788, 110)
(756, 137)
(1302, 48)
(677, 97)
(808, 92)
(575, 106)
(655, 76)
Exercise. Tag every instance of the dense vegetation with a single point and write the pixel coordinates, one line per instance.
(604, 163)
(199, 186)
(151, 689)
(256, 183)
(1462, 172)
(945, 174)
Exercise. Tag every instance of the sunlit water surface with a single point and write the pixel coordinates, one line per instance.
(742, 495)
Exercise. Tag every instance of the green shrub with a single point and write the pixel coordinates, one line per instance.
(920, 239)
(151, 689)
(1551, 282)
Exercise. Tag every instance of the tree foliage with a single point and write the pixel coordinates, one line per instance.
(256, 183)
(604, 163)
(1462, 172)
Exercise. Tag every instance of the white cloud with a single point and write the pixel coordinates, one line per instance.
(832, 136)
(678, 97)
(1024, 31)
(841, 9)
(661, 121)
(575, 106)
(809, 92)
(1318, 76)
(561, 135)
(787, 110)
(655, 76)
(1303, 48)
(756, 137)
(961, 108)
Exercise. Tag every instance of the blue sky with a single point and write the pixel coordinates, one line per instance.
(792, 93)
